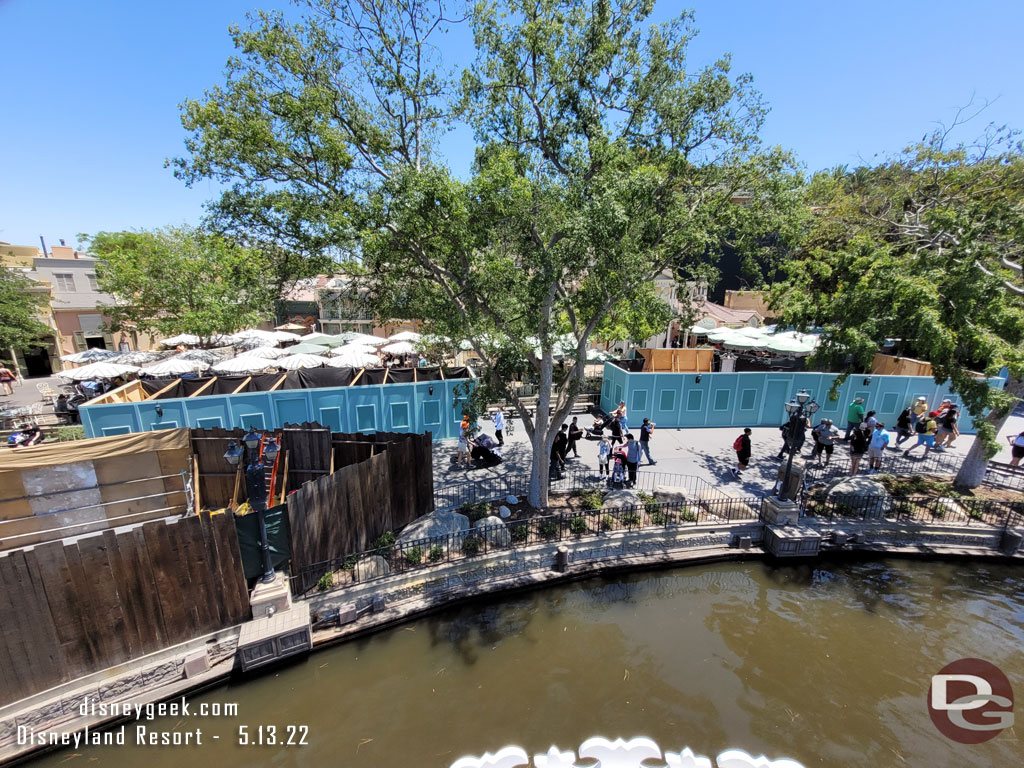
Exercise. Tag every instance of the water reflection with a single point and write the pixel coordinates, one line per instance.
(827, 663)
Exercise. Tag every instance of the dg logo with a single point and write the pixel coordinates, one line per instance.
(970, 701)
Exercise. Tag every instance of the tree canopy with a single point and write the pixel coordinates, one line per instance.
(603, 157)
(182, 280)
(924, 249)
(20, 308)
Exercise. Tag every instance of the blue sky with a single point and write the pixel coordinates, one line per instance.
(89, 91)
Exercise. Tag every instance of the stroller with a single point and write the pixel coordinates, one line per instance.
(618, 475)
(484, 452)
(26, 436)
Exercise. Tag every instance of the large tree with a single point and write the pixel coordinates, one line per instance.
(924, 248)
(182, 280)
(20, 308)
(604, 156)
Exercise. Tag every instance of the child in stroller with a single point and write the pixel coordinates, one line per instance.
(618, 476)
(483, 451)
(596, 431)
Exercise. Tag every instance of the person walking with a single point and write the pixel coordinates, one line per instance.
(742, 447)
(462, 450)
(575, 433)
(859, 441)
(604, 453)
(6, 381)
(948, 430)
(499, 426)
(1016, 449)
(854, 416)
(919, 409)
(904, 426)
(826, 437)
(620, 412)
(632, 458)
(615, 427)
(876, 447)
(926, 428)
(645, 439)
(797, 439)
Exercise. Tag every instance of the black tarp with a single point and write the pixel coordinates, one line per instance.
(248, 527)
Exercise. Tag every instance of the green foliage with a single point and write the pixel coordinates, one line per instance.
(520, 531)
(182, 280)
(68, 433)
(326, 582)
(414, 556)
(604, 157)
(631, 519)
(607, 523)
(548, 529)
(384, 542)
(350, 563)
(659, 516)
(687, 516)
(592, 498)
(436, 553)
(924, 248)
(651, 505)
(475, 510)
(22, 301)
(578, 525)
(470, 546)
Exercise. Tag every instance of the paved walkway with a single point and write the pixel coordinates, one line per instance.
(701, 452)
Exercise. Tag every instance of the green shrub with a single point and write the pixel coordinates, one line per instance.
(661, 517)
(470, 546)
(520, 531)
(548, 529)
(350, 562)
(64, 434)
(607, 523)
(436, 553)
(687, 516)
(414, 556)
(591, 498)
(578, 525)
(326, 582)
(475, 510)
(644, 496)
(385, 541)
(631, 519)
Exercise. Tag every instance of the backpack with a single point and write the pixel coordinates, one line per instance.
(738, 443)
(922, 425)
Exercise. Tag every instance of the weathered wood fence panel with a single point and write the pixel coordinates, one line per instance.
(70, 610)
(382, 481)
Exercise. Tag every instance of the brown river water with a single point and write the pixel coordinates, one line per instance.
(827, 664)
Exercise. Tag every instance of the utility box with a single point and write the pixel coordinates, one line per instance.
(792, 541)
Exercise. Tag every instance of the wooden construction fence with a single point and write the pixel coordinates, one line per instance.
(677, 360)
(888, 365)
(69, 610)
(381, 481)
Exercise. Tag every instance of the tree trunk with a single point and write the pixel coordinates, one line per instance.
(541, 437)
(972, 471)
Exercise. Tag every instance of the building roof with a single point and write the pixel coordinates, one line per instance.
(725, 315)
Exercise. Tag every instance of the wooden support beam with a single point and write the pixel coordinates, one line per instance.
(440, 370)
(385, 379)
(161, 391)
(284, 481)
(240, 386)
(415, 378)
(203, 388)
(361, 372)
(234, 494)
(195, 476)
(278, 383)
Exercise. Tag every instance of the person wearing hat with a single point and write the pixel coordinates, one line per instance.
(825, 437)
(917, 410)
(854, 416)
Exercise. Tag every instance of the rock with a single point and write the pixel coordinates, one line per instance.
(504, 512)
(440, 523)
(494, 530)
(510, 499)
(372, 567)
(862, 496)
(724, 504)
(669, 493)
(621, 498)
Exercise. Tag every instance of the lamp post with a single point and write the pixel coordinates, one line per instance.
(798, 409)
(254, 460)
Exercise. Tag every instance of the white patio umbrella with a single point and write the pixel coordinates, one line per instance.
(405, 336)
(741, 342)
(789, 347)
(750, 332)
(267, 353)
(284, 336)
(354, 348)
(140, 357)
(355, 360)
(100, 370)
(700, 330)
(90, 355)
(175, 366)
(188, 339)
(295, 362)
(400, 348)
(720, 335)
(242, 364)
(313, 335)
(206, 355)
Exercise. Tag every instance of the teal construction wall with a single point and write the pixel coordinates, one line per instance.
(758, 399)
(421, 407)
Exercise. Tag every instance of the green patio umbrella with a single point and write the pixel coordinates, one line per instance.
(307, 349)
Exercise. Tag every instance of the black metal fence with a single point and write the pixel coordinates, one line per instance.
(1005, 476)
(891, 464)
(402, 557)
(924, 509)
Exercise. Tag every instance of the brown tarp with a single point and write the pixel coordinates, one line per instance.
(94, 448)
